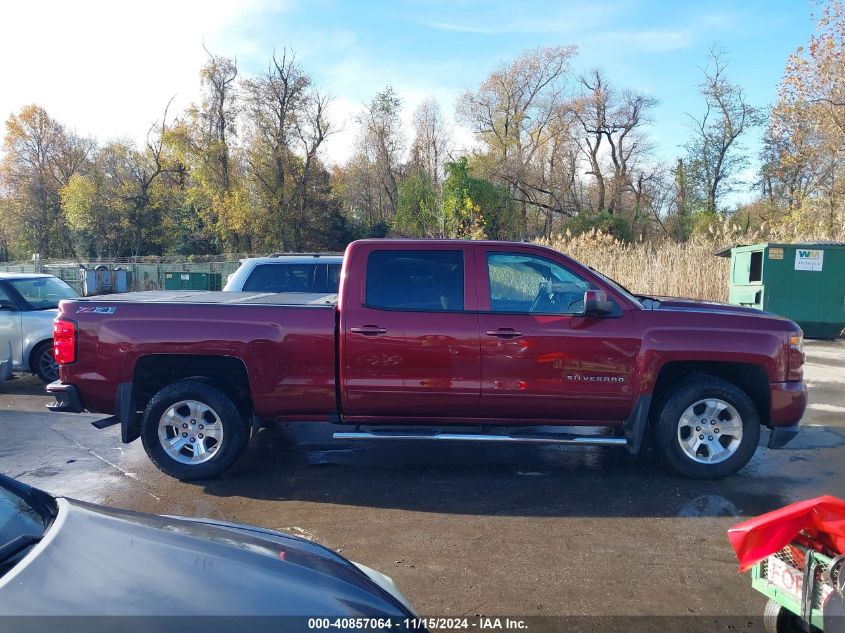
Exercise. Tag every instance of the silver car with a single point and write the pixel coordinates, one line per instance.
(288, 272)
(28, 303)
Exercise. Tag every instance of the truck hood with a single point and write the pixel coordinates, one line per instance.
(695, 305)
(95, 560)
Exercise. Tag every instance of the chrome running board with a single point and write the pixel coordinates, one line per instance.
(587, 440)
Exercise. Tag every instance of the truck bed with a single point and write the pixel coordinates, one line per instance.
(287, 340)
(218, 297)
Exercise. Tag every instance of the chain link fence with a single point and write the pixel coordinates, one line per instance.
(140, 275)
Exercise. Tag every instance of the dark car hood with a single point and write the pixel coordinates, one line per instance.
(102, 561)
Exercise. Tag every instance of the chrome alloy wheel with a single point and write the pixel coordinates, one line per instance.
(710, 431)
(190, 432)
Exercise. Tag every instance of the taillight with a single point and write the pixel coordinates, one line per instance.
(64, 341)
(795, 357)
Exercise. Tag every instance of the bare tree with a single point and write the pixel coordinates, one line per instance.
(275, 104)
(431, 139)
(382, 142)
(219, 112)
(516, 112)
(144, 168)
(287, 120)
(312, 129)
(713, 158)
(607, 116)
(654, 200)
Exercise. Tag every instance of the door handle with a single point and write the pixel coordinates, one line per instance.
(368, 330)
(504, 332)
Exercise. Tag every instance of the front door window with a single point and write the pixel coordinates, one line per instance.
(530, 284)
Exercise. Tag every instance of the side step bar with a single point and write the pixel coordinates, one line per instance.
(587, 440)
(632, 430)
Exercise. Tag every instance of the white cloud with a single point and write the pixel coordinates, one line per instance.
(340, 146)
(108, 69)
(349, 72)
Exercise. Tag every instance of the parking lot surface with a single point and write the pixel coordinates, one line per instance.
(471, 529)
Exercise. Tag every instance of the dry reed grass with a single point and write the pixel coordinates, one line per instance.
(687, 269)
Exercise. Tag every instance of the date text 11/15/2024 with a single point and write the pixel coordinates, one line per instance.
(418, 624)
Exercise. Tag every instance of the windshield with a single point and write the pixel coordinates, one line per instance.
(618, 287)
(20, 528)
(43, 293)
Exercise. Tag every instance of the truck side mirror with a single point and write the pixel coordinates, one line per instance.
(597, 304)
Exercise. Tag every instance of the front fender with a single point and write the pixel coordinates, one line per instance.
(662, 346)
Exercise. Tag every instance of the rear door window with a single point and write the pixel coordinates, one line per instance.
(282, 278)
(416, 280)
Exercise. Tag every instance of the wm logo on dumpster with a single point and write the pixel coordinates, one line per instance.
(807, 259)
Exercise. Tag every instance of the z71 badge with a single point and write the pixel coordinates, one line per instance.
(97, 309)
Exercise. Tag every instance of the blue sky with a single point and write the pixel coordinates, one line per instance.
(121, 63)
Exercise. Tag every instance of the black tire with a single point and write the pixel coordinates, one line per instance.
(680, 396)
(777, 619)
(43, 363)
(235, 430)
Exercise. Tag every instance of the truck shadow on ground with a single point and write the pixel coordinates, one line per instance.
(512, 480)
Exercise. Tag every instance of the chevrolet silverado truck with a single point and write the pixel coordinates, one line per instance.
(438, 340)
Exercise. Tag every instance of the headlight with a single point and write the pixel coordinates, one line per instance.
(795, 357)
(386, 583)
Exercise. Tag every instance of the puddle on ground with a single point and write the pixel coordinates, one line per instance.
(708, 506)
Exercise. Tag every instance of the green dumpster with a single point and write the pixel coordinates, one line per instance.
(802, 281)
(192, 281)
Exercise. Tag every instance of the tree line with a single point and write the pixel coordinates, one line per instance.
(555, 150)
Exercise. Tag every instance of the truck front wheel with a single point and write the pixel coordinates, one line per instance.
(192, 430)
(707, 428)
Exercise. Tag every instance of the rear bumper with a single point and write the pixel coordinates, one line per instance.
(66, 398)
(788, 403)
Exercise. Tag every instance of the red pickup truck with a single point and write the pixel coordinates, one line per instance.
(436, 340)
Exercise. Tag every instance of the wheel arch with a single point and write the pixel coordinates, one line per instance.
(34, 348)
(153, 372)
(227, 373)
(752, 379)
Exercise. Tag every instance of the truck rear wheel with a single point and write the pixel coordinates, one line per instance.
(707, 428)
(192, 430)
